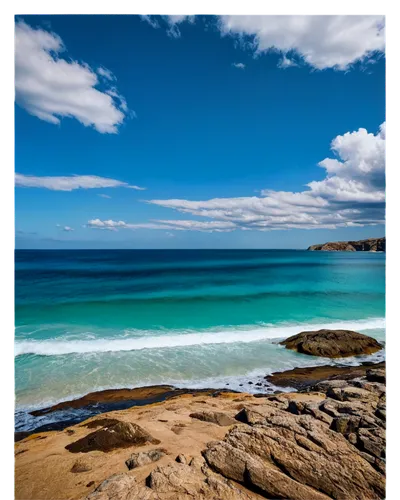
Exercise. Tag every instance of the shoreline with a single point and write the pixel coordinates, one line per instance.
(329, 435)
(75, 411)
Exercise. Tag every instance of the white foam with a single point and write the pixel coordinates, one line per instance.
(150, 340)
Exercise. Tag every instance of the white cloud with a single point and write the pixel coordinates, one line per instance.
(286, 62)
(106, 73)
(176, 18)
(67, 229)
(178, 225)
(51, 87)
(351, 194)
(104, 196)
(239, 65)
(322, 41)
(69, 183)
(151, 20)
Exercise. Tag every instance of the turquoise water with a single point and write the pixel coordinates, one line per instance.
(87, 320)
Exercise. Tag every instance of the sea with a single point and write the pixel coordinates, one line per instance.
(88, 320)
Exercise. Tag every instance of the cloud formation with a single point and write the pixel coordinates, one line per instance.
(178, 225)
(51, 87)
(176, 18)
(351, 194)
(67, 229)
(150, 19)
(69, 183)
(106, 73)
(171, 20)
(286, 62)
(239, 65)
(319, 41)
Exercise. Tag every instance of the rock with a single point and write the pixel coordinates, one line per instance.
(369, 245)
(81, 466)
(376, 375)
(307, 408)
(144, 458)
(351, 393)
(318, 378)
(117, 435)
(332, 343)
(372, 441)
(121, 487)
(181, 459)
(177, 481)
(345, 425)
(295, 457)
(214, 417)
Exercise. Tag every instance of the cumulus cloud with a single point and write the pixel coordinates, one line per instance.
(69, 183)
(351, 194)
(51, 87)
(320, 41)
(67, 229)
(239, 65)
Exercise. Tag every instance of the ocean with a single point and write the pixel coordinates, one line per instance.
(87, 320)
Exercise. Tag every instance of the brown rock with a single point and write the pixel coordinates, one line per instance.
(295, 457)
(181, 459)
(369, 245)
(332, 343)
(121, 487)
(214, 417)
(345, 425)
(119, 435)
(81, 466)
(144, 458)
(183, 482)
(376, 375)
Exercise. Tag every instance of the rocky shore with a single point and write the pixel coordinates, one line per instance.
(369, 245)
(325, 441)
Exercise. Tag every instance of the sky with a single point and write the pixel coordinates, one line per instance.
(198, 131)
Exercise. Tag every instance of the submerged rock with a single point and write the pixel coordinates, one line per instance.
(332, 343)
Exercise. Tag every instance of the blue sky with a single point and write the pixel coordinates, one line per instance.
(222, 132)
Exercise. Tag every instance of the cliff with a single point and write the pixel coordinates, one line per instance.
(369, 245)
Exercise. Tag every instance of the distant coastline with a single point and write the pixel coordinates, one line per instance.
(368, 245)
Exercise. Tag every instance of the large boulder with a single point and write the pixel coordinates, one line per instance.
(296, 457)
(332, 343)
(117, 435)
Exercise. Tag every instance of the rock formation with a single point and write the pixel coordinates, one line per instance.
(369, 245)
(327, 442)
(332, 343)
